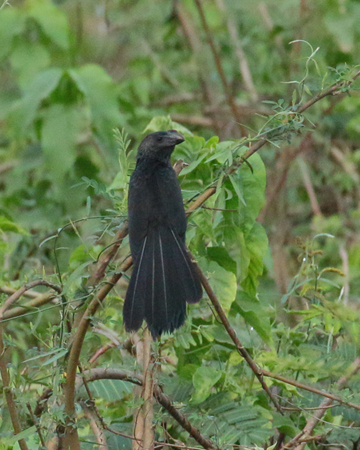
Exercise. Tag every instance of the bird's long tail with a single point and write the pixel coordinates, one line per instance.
(163, 280)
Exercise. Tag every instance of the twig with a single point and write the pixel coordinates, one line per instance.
(105, 261)
(346, 269)
(36, 423)
(332, 90)
(174, 99)
(16, 295)
(309, 187)
(101, 351)
(20, 310)
(266, 373)
(179, 165)
(232, 333)
(8, 393)
(96, 427)
(9, 291)
(200, 121)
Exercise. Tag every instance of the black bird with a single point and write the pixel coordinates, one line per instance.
(164, 278)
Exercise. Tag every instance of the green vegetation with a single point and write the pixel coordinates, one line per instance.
(266, 96)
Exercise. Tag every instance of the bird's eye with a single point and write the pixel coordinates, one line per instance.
(159, 138)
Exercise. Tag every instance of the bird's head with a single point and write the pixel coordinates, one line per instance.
(159, 145)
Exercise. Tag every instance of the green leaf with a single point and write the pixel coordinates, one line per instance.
(237, 190)
(25, 109)
(108, 390)
(284, 424)
(204, 380)
(222, 257)
(212, 142)
(252, 186)
(8, 225)
(27, 59)
(61, 130)
(342, 27)
(254, 314)
(222, 282)
(52, 20)
(11, 24)
(165, 123)
(100, 92)
(223, 152)
(256, 242)
(23, 435)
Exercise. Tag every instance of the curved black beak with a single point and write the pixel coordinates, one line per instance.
(178, 137)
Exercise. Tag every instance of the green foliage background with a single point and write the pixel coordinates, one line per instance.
(283, 256)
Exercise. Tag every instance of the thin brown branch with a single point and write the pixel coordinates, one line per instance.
(36, 423)
(218, 63)
(71, 437)
(101, 351)
(32, 305)
(103, 263)
(8, 393)
(232, 333)
(179, 165)
(9, 165)
(309, 187)
(95, 425)
(332, 90)
(163, 400)
(42, 401)
(10, 291)
(199, 121)
(346, 269)
(275, 376)
(174, 99)
(17, 294)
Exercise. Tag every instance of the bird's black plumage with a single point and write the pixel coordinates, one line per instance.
(164, 279)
